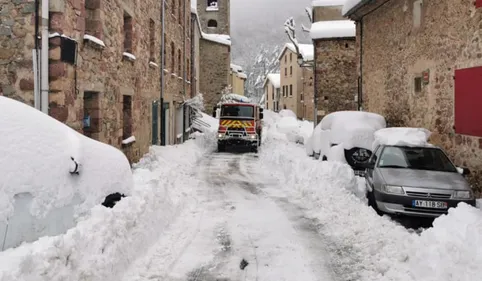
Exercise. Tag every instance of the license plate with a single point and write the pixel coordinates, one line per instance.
(429, 204)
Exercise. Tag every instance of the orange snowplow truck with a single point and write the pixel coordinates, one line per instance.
(239, 126)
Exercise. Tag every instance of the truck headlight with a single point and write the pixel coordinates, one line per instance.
(393, 189)
(462, 194)
(220, 136)
(252, 137)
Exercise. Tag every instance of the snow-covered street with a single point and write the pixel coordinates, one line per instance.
(196, 214)
(234, 220)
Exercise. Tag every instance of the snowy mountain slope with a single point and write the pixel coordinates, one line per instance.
(258, 35)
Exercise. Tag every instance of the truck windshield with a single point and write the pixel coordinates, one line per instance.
(237, 111)
(417, 158)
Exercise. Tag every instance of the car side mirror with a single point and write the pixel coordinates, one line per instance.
(261, 109)
(463, 171)
(214, 114)
(261, 115)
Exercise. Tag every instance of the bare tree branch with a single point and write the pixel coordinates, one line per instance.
(309, 12)
(290, 29)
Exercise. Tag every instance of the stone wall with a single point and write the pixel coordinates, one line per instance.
(336, 75)
(327, 13)
(400, 41)
(116, 91)
(308, 91)
(221, 16)
(215, 61)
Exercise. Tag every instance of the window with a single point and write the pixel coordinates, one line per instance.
(418, 84)
(478, 3)
(212, 3)
(417, 13)
(286, 58)
(415, 158)
(93, 24)
(291, 70)
(173, 11)
(188, 66)
(468, 101)
(272, 92)
(127, 33)
(237, 110)
(173, 57)
(286, 71)
(291, 90)
(274, 105)
(126, 117)
(212, 23)
(291, 58)
(165, 48)
(301, 97)
(152, 40)
(179, 63)
(91, 121)
(277, 93)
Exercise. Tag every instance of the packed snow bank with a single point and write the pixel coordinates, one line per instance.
(39, 160)
(104, 244)
(402, 136)
(205, 123)
(285, 126)
(364, 245)
(349, 5)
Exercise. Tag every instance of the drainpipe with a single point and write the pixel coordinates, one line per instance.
(163, 62)
(36, 57)
(360, 80)
(184, 71)
(315, 92)
(44, 59)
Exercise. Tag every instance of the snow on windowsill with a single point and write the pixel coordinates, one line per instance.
(129, 56)
(153, 64)
(165, 70)
(56, 34)
(94, 40)
(179, 77)
(212, 9)
(129, 140)
(218, 38)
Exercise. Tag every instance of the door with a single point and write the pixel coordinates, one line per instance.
(179, 124)
(155, 122)
(165, 124)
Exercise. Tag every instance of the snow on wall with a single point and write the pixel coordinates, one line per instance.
(350, 4)
(94, 40)
(218, 38)
(333, 29)
(327, 3)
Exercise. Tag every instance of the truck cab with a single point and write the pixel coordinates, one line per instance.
(239, 126)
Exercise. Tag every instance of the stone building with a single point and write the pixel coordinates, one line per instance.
(104, 67)
(291, 76)
(215, 50)
(420, 64)
(272, 91)
(237, 79)
(335, 63)
(308, 94)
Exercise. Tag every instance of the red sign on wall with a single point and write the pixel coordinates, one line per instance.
(468, 101)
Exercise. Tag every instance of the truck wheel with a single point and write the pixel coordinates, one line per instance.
(324, 158)
(221, 148)
(254, 149)
(373, 203)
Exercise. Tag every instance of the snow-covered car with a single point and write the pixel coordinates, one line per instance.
(51, 175)
(406, 175)
(345, 136)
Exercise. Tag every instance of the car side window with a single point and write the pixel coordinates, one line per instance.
(376, 155)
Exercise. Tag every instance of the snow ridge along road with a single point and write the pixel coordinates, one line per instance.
(232, 221)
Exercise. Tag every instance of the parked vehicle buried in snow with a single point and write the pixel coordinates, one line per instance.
(415, 178)
(51, 175)
(345, 136)
(240, 126)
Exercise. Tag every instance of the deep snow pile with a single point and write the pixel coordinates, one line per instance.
(105, 242)
(365, 246)
(402, 136)
(285, 125)
(36, 153)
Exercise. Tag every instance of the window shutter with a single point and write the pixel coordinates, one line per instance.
(478, 3)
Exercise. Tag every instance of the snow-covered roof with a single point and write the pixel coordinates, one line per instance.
(274, 79)
(307, 51)
(351, 6)
(242, 75)
(236, 67)
(333, 29)
(327, 3)
(218, 38)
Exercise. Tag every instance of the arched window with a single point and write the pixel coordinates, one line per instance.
(212, 3)
(212, 23)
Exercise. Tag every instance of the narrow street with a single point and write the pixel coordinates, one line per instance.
(235, 222)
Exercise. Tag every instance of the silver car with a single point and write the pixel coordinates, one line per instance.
(415, 181)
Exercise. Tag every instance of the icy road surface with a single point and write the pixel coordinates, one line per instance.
(234, 220)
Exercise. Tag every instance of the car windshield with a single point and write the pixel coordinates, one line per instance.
(237, 110)
(418, 158)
